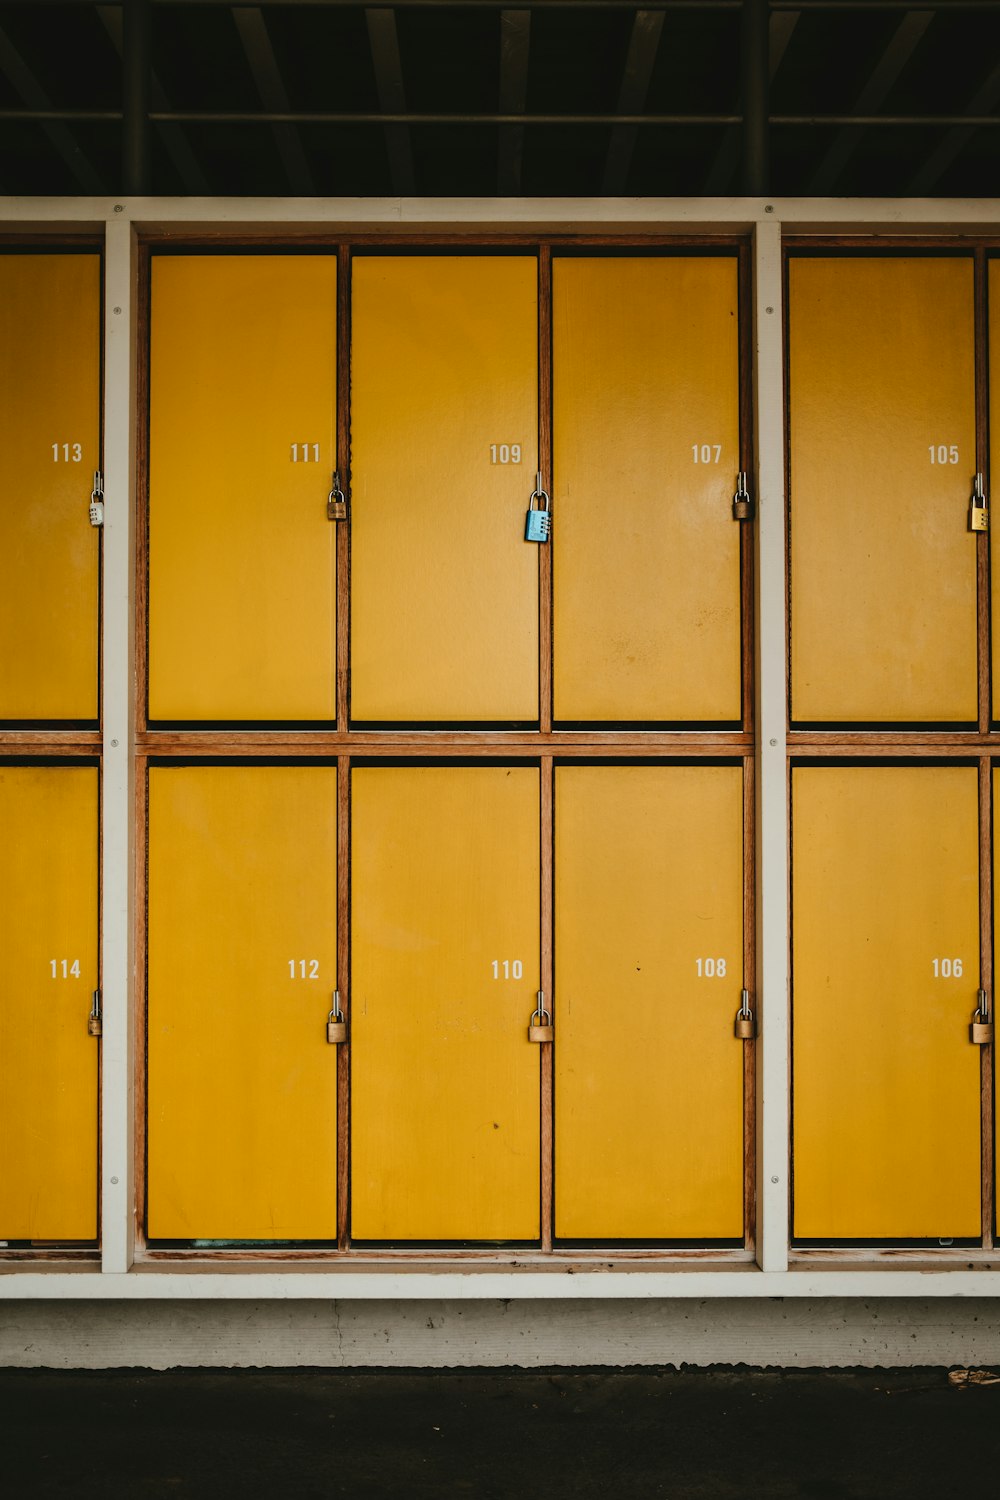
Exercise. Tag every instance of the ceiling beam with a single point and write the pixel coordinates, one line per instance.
(515, 43)
(24, 82)
(779, 34)
(384, 42)
(983, 103)
(639, 62)
(888, 68)
(135, 98)
(175, 142)
(270, 86)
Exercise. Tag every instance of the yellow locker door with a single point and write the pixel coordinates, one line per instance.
(883, 453)
(445, 970)
(242, 556)
(242, 964)
(50, 371)
(649, 965)
(885, 948)
(646, 553)
(444, 397)
(48, 973)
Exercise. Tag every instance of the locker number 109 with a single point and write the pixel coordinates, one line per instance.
(505, 453)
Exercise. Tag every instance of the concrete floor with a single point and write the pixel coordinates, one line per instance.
(866, 1435)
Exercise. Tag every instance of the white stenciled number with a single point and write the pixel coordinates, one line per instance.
(305, 453)
(67, 453)
(505, 453)
(943, 453)
(711, 968)
(303, 968)
(948, 968)
(64, 968)
(507, 968)
(706, 453)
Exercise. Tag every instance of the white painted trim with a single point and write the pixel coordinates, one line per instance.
(117, 718)
(771, 780)
(561, 1282)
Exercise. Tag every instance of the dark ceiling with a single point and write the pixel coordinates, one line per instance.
(484, 98)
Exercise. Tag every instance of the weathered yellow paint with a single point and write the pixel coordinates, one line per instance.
(883, 565)
(242, 557)
(50, 368)
(242, 1082)
(646, 552)
(444, 588)
(885, 1080)
(48, 1061)
(649, 1076)
(445, 1084)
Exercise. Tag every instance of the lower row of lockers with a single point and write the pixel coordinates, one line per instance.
(244, 948)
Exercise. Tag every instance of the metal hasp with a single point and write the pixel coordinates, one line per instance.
(742, 509)
(538, 524)
(336, 501)
(745, 1028)
(336, 1026)
(540, 1028)
(981, 1029)
(135, 97)
(95, 1025)
(755, 169)
(979, 511)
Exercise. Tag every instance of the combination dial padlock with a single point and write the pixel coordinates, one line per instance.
(742, 510)
(97, 502)
(538, 524)
(336, 1026)
(979, 511)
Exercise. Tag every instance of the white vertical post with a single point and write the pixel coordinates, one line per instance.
(772, 778)
(117, 719)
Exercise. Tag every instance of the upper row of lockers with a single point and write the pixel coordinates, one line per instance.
(624, 381)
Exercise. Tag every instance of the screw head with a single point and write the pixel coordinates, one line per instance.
(774, 1179)
(114, 744)
(114, 1182)
(769, 208)
(119, 208)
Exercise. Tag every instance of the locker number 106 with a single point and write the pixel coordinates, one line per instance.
(947, 968)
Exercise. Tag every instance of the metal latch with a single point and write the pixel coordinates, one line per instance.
(94, 1022)
(97, 500)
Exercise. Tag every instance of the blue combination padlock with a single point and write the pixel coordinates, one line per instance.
(538, 525)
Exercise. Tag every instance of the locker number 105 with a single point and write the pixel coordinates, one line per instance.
(943, 453)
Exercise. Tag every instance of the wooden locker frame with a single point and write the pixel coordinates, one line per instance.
(982, 744)
(539, 745)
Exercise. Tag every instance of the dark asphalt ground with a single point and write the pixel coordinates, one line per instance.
(863, 1435)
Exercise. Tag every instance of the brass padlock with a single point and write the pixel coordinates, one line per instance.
(540, 1028)
(336, 1026)
(979, 514)
(336, 503)
(94, 1023)
(981, 1029)
(742, 510)
(745, 1027)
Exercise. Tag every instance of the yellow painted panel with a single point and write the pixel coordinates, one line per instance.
(242, 557)
(50, 370)
(649, 965)
(444, 588)
(883, 565)
(445, 1084)
(242, 965)
(885, 1079)
(48, 973)
(646, 551)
